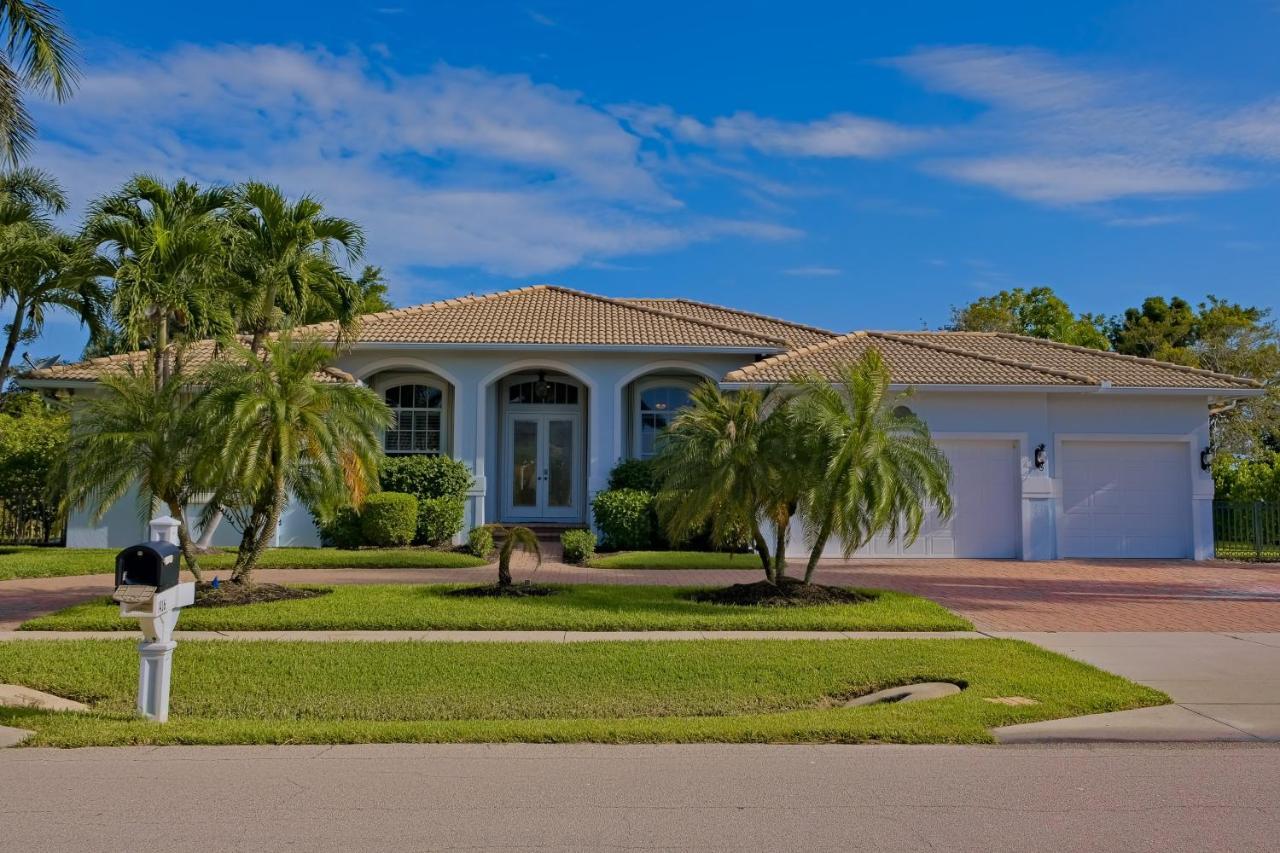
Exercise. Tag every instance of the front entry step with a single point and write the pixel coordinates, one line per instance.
(548, 532)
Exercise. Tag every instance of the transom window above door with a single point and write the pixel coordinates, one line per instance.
(542, 392)
(418, 426)
(659, 403)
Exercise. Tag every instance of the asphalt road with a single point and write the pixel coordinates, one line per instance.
(718, 797)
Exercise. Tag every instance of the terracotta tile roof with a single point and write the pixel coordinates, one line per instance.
(550, 315)
(973, 358)
(1122, 371)
(795, 334)
(194, 357)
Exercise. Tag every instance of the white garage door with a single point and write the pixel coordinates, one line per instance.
(1125, 499)
(987, 518)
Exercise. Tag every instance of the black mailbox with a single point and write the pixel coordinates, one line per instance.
(150, 564)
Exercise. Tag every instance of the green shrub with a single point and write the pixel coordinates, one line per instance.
(634, 474)
(390, 519)
(344, 531)
(438, 520)
(579, 545)
(625, 517)
(425, 476)
(480, 542)
(1255, 479)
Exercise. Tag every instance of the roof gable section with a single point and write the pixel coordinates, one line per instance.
(911, 362)
(795, 334)
(548, 315)
(1117, 369)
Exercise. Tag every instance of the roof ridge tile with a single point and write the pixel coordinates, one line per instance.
(757, 315)
(1024, 365)
(669, 314)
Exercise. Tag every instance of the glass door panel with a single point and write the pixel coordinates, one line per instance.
(524, 463)
(560, 462)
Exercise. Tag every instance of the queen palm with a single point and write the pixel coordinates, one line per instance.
(285, 253)
(876, 466)
(136, 432)
(716, 466)
(283, 425)
(38, 54)
(165, 245)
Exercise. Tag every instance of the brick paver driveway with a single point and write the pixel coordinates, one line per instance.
(1076, 595)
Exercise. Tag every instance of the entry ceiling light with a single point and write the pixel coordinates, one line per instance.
(542, 388)
(1040, 457)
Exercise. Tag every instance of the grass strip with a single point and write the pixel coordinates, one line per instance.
(674, 560)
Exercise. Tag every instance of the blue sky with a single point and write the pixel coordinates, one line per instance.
(841, 164)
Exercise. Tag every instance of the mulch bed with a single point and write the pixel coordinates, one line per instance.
(516, 590)
(228, 594)
(789, 593)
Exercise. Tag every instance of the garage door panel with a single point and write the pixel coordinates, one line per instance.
(1125, 499)
(987, 513)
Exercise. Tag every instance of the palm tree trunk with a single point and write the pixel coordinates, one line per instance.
(11, 344)
(270, 518)
(178, 511)
(781, 533)
(210, 528)
(762, 550)
(504, 570)
(161, 344)
(260, 327)
(819, 544)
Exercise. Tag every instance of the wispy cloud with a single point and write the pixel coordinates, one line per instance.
(453, 167)
(1153, 221)
(814, 271)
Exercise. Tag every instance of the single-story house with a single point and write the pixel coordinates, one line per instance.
(1057, 450)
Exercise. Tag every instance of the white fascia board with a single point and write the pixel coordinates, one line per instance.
(1222, 393)
(394, 345)
(57, 383)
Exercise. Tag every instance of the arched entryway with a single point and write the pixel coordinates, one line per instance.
(541, 447)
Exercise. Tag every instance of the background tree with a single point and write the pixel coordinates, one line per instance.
(137, 432)
(285, 254)
(879, 468)
(165, 246)
(1037, 312)
(280, 429)
(39, 55)
(33, 437)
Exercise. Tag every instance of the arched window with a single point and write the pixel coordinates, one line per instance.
(659, 402)
(419, 420)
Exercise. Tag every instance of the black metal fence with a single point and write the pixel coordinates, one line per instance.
(1247, 530)
(16, 529)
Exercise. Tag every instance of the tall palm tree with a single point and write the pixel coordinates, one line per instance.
(284, 426)
(38, 54)
(40, 268)
(879, 469)
(136, 432)
(285, 253)
(166, 248)
(715, 466)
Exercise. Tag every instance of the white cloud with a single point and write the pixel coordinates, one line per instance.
(454, 167)
(1152, 221)
(813, 272)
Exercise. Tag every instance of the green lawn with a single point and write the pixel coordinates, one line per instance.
(627, 692)
(26, 562)
(574, 608)
(676, 560)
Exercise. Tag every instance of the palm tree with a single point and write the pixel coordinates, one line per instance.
(40, 268)
(136, 432)
(716, 470)
(511, 538)
(284, 253)
(283, 425)
(38, 55)
(166, 248)
(878, 466)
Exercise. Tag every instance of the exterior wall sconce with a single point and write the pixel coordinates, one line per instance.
(1039, 457)
(1206, 459)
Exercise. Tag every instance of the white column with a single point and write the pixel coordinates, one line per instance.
(155, 673)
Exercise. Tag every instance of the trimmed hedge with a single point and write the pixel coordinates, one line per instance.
(626, 518)
(579, 545)
(425, 476)
(344, 531)
(634, 474)
(390, 519)
(438, 520)
(480, 542)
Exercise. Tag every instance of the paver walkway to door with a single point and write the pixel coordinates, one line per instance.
(996, 595)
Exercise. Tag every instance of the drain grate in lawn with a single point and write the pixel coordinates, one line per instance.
(572, 608)
(680, 691)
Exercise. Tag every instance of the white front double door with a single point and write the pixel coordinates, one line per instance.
(543, 452)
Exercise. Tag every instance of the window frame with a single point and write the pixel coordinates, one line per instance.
(400, 380)
(637, 415)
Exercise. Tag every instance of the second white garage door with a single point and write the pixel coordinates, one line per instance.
(1125, 499)
(987, 518)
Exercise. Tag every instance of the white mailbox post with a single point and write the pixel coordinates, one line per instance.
(148, 590)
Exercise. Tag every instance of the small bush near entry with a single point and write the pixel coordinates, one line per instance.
(425, 476)
(438, 520)
(625, 517)
(344, 531)
(390, 519)
(579, 545)
(480, 542)
(633, 474)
